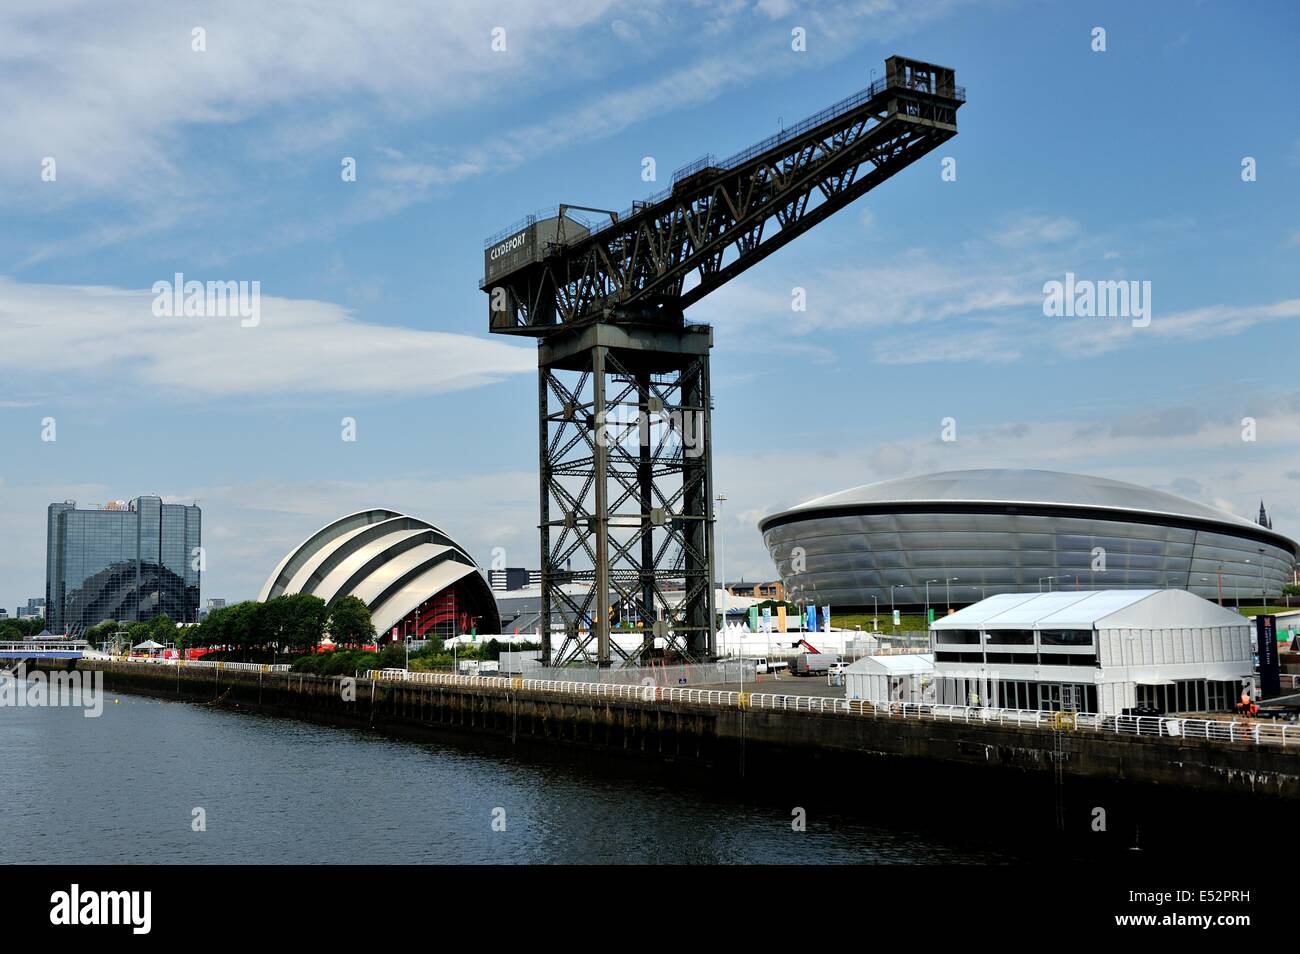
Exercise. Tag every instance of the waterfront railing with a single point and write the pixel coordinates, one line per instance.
(1250, 732)
(205, 664)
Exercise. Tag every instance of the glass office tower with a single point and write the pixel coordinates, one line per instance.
(125, 561)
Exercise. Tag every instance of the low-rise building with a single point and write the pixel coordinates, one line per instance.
(1093, 651)
(903, 677)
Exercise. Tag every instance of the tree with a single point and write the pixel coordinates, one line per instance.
(302, 618)
(350, 623)
(162, 629)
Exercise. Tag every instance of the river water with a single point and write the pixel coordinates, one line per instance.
(124, 788)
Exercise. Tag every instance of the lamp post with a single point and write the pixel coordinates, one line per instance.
(875, 613)
(983, 594)
(1049, 580)
(927, 600)
(892, 610)
(947, 591)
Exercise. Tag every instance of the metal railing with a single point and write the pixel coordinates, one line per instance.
(204, 664)
(550, 212)
(1216, 730)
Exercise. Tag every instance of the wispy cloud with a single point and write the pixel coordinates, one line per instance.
(95, 334)
(133, 115)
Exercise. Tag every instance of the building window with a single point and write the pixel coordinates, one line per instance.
(1066, 637)
(1012, 637)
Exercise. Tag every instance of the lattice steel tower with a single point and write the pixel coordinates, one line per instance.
(623, 380)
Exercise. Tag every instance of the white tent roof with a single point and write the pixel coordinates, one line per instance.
(1086, 609)
(900, 664)
(148, 644)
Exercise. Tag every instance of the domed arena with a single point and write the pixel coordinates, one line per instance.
(416, 580)
(973, 533)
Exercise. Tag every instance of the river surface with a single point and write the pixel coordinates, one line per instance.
(124, 787)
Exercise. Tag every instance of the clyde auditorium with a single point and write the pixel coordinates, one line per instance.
(1007, 531)
(415, 579)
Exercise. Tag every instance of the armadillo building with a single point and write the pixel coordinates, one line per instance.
(974, 533)
(415, 579)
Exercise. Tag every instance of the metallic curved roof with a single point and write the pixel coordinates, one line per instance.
(1031, 487)
(390, 561)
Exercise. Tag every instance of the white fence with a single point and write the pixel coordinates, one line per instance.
(710, 673)
(204, 664)
(1248, 732)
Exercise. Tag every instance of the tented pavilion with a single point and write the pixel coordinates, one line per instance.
(1093, 651)
(901, 677)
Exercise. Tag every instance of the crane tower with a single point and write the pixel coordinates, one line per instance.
(624, 405)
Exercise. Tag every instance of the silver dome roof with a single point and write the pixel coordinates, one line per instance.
(1010, 486)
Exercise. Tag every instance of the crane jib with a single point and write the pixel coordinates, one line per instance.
(717, 218)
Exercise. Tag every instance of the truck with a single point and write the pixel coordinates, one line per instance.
(812, 664)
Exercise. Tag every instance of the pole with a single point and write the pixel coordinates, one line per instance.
(722, 573)
(600, 454)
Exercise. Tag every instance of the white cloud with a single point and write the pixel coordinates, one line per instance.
(300, 347)
(1036, 230)
(982, 303)
(108, 89)
(132, 114)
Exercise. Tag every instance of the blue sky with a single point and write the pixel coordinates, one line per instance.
(924, 300)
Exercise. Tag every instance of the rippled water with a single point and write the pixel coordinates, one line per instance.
(123, 787)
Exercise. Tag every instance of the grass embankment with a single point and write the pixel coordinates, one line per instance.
(1260, 610)
(909, 622)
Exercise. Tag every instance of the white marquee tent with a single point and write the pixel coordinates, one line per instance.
(1111, 649)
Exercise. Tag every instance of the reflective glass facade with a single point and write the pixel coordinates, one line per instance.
(128, 564)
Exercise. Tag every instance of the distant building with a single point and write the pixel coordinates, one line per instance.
(1264, 519)
(512, 578)
(127, 561)
(769, 590)
(4, 613)
(35, 609)
(213, 603)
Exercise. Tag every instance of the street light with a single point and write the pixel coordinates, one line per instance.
(947, 591)
(983, 594)
(892, 610)
(927, 599)
(1049, 580)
